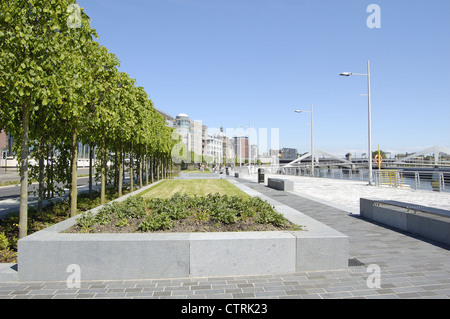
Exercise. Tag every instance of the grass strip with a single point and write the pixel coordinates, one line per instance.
(191, 187)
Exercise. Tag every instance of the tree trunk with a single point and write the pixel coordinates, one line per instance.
(52, 179)
(91, 156)
(23, 208)
(140, 167)
(41, 174)
(152, 169)
(131, 169)
(74, 179)
(120, 181)
(146, 166)
(103, 172)
(158, 167)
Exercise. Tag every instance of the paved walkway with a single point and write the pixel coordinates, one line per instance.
(410, 267)
(345, 194)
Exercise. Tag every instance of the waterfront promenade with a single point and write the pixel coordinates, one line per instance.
(345, 194)
(410, 266)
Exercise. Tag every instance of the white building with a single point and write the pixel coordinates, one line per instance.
(213, 148)
(190, 132)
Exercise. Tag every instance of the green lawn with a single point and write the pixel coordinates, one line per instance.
(199, 187)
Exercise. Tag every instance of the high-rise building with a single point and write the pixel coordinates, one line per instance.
(240, 144)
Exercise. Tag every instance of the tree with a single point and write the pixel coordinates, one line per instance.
(375, 153)
(33, 37)
(58, 87)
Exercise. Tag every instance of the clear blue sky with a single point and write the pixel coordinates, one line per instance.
(228, 62)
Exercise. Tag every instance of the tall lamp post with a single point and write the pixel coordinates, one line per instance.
(312, 137)
(369, 117)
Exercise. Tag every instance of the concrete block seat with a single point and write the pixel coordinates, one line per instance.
(428, 222)
(280, 184)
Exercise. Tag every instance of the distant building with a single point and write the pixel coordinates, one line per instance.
(227, 147)
(213, 147)
(240, 145)
(288, 153)
(190, 131)
(254, 153)
(3, 143)
(6, 143)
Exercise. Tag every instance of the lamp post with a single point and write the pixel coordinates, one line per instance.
(312, 137)
(369, 117)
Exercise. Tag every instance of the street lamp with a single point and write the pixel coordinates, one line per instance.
(369, 117)
(312, 137)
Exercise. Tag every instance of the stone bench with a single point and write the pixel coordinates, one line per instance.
(428, 222)
(280, 184)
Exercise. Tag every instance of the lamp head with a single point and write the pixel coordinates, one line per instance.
(345, 74)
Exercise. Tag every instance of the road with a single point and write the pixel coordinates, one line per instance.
(10, 195)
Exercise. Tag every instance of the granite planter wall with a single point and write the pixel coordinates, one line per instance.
(46, 255)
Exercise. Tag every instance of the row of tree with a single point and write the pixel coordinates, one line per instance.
(59, 87)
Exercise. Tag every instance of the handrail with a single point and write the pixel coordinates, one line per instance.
(392, 178)
(396, 178)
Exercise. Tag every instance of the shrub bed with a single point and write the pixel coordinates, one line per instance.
(50, 215)
(183, 213)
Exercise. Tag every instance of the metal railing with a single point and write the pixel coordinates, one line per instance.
(424, 180)
(439, 184)
(393, 178)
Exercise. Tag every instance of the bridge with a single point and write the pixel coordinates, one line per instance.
(429, 165)
(440, 157)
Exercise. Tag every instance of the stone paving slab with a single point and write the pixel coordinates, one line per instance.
(410, 267)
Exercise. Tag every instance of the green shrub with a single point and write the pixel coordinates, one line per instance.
(201, 214)
(226, 216)
(6, 254)
(156, 222)
(86, 222)
(134, 207)
(160, 214)
(122, 222)
(4, 243)
(103, 217)
(271, 217)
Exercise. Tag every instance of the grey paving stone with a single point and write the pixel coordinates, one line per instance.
(160, 293)
(244, 295)
(410, 268)
(209, 292)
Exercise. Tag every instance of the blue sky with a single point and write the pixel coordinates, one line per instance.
(228, 62)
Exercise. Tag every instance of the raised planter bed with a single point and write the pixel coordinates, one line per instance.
(45, 255)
